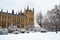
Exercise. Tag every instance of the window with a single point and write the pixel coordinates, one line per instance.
(0, 17)
(3, 17)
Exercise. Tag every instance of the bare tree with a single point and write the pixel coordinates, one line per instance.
(39, 19)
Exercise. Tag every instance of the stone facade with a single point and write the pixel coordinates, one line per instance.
(20, 19)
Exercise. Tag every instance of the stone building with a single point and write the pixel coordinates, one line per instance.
(20, 19)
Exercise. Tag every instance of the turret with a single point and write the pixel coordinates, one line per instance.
(27, 7)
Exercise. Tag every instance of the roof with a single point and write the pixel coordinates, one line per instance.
(21, 14)
(29, 10)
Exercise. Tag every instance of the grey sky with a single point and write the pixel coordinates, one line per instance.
(38, 5)
(42, 5)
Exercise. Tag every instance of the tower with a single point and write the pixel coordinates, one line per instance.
(30, 16)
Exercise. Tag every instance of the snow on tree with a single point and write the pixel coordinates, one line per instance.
(53, 18)
(39, 19)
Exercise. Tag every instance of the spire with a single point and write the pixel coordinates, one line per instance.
(33, 9)
(55, 6)
(27, 7)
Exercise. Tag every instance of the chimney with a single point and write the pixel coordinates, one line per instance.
(12, 11)
(24, 10)
(16, 12)
(1, 10)
(7, 11)
(20, 11)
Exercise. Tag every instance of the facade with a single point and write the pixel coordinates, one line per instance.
(20, 19)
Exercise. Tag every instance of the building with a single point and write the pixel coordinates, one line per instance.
(20, 19)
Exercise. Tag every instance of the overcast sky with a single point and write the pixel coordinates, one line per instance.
(38, 5)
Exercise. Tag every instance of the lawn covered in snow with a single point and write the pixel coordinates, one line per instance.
(32, 36)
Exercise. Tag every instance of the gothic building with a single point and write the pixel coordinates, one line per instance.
(20, 19)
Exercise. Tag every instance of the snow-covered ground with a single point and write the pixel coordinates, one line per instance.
(32, 36)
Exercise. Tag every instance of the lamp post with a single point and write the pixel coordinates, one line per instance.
(56, 28)
(40, 24)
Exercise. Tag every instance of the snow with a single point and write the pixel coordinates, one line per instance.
(32, 36)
